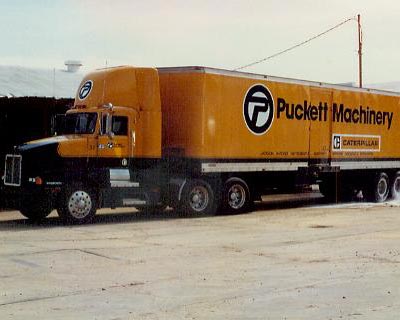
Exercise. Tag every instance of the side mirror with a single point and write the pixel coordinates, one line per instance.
(109, 132)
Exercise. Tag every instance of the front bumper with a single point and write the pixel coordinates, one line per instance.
(16, 197)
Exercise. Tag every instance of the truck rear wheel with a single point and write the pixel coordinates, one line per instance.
(379, 189)
(78, 205)
(236, 197)
(36, 211)
(198, 198)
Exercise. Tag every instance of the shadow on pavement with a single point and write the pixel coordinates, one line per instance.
(113, 217)
(116, 217)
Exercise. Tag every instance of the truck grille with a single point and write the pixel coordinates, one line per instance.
(12, 172)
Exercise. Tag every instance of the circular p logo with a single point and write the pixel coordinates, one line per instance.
(258, 109)
(85, 89)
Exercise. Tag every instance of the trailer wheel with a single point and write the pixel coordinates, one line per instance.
(36, 211)
(379, 190)
(236, 197)
(78, 205)
(395, 187)
(198, 198)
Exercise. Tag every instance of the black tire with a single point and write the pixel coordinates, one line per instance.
(236, 197)
(36, 211)
(378, 191)
(198, 199)
(77, 205)
(395, 186)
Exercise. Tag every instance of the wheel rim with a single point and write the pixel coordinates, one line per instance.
(382, 189)
(236, 196)
(198, 198)
(79, 204)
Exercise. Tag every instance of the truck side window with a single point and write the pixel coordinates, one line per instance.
(80, 123)
(120, 125)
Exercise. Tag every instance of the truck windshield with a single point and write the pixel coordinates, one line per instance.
(80, 123)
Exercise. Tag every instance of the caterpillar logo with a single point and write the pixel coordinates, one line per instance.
(356, 143)
(258, 109)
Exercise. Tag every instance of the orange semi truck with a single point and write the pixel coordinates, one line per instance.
(205, 140)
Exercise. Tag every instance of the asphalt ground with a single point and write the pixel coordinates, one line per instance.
(289, 259)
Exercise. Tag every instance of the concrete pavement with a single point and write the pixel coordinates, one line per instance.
(283, 261)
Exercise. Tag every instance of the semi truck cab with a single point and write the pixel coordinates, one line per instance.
(109, 130)
(107, 154)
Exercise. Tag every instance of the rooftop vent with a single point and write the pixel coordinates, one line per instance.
(73, 65)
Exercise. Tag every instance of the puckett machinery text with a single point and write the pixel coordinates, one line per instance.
(340, 113)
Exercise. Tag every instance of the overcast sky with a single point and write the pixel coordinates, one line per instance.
(217, 33)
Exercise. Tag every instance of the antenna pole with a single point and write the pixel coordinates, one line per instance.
(359, 50)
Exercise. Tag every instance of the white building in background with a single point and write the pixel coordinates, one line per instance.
(23, 82)
(73, 65)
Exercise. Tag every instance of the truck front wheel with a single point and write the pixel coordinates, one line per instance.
(198, 198)
(77, 205)
(36, 211)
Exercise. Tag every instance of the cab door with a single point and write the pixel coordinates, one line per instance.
(116, 143)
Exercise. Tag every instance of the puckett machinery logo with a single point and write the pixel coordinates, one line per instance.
(85, 89)
(258, 109)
